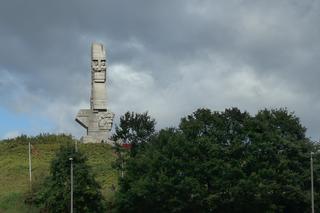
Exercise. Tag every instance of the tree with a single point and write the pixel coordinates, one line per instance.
(221, 162)
(135, 129)
(161, 177)
(277, 161)
(55, 193)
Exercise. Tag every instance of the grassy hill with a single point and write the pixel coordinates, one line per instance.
(14, 169)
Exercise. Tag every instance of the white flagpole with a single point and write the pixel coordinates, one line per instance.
(71, 183)
(30, 167)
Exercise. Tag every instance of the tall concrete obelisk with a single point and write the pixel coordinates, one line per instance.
(98, 119)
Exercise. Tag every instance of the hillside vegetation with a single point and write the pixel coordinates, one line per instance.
(228, 161)
(14, 169)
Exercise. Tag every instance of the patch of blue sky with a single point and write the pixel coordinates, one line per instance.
(16, 123)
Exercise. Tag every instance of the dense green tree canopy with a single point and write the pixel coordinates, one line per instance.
(55, 193)
(222, 162)
(134, 129)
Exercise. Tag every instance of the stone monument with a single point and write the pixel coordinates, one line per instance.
(98, 119)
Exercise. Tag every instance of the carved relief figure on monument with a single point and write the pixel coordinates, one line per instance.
(105, 120)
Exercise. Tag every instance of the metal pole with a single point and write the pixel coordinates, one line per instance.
(71, 184)
(122, 168)
(312, 195)
(30, 167)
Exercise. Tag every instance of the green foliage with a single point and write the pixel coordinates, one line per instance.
(222, 162)
(15, 199)
(55, 195)
(41, 138)
(213, 162)
(160, 179)
(14, 175)
(134, 129)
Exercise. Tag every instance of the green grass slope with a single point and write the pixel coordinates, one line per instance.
(14, 167)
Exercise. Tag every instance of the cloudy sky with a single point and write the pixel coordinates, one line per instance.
(167, 57)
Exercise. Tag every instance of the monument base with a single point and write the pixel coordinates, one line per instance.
(90, 139)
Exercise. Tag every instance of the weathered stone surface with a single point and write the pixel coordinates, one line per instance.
(98, 119)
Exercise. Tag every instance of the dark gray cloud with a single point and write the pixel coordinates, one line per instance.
(168, 57)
